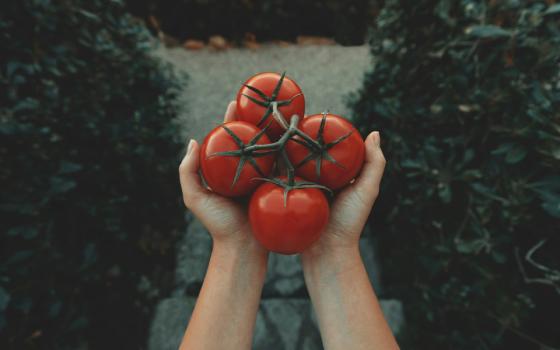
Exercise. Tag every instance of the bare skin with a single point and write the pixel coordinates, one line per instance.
(345, 303)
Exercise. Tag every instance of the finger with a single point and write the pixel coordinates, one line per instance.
(370, 178)
(188, 174)
(230, 112)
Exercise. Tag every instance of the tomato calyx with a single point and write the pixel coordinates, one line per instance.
(270, 102)
(244, 153)
(292, 184)
(321, 150)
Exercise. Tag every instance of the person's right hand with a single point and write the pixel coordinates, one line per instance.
(351, 207)
(226, 220)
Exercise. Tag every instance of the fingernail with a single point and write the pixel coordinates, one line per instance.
(189, 147)
(376, 138)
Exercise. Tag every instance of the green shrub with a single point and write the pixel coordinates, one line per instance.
(346, 21)
(90, 201)
(466, 95)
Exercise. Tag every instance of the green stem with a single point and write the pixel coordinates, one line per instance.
(278, 116)
(290, 168)
(281, 142)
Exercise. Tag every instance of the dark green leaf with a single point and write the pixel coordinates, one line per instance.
(516, 154)
(19, 257)
(552, 208)
(488, 32)
(61, 184)
(444, 192)
(498, 257)
(552, 9)
(464, 247)
(69, 167)
(4, 299)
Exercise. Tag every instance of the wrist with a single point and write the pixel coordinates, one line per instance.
(334, 259)
(243, 251)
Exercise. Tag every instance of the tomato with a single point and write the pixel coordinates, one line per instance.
(255, 97)
(341, 154)
(219, 170)
(287, 227)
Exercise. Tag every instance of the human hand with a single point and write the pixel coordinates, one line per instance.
(236, 270)
(226, 220)
(347, 309)
(351, 207)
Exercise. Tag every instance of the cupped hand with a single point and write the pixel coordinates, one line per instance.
(351, 207)
(225, 219)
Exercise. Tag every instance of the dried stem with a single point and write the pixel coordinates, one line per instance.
(551, 276)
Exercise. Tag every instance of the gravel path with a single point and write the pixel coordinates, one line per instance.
(326, 74)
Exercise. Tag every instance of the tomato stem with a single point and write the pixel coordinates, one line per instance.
(290, 167)
(278, 116)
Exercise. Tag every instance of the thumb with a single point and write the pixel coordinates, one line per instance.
(370, 178)
(188, 174)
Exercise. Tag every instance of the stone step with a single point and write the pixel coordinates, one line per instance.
(282, 323)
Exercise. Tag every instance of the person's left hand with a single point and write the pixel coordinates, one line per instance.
(226, 219)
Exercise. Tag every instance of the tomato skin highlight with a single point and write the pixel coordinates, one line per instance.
(292, 228)
(251, 112)
(219, 171)
(349, 153)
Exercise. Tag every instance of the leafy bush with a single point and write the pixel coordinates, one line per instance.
(467, 97)
(89, 190)
(346, 21)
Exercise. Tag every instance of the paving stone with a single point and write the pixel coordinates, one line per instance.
(284, 276)
(193, 256)
(368, 253)
(169, 323)
(394, 314)
(283, 319)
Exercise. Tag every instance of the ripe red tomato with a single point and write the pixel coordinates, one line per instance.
(219, 170)
(255, 97)
(290, 228)
(341, 155)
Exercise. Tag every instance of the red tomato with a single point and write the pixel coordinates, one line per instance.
(219, 171)
(257, 108)
(339, 162)
(290, 228)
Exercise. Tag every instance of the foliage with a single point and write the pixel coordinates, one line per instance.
(89, 190)
(467, 97)
(346, 21)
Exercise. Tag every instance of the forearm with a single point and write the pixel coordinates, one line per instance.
(347, 308)
(226, 308)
